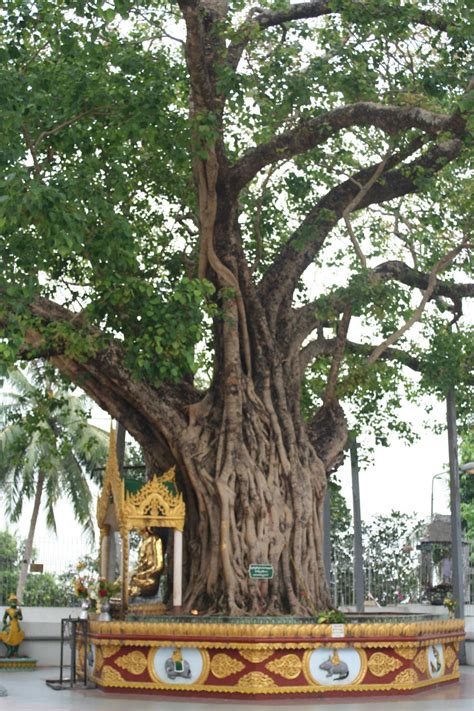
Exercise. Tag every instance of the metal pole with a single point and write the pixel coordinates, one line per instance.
(456, 534)
(327, 535)
(358, 554)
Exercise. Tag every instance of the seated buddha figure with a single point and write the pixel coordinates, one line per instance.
(146, 576)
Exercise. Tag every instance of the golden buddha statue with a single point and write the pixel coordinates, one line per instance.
(146, 576)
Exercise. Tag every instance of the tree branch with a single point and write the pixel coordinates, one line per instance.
(364, 189)
(309, 10)
(310, 133)
(326, 347)
(56, 129)
(338, 355)
(398, 270)
(198, 54)
(297, 254)
(104, 367)
(417, 314)
(305, 319)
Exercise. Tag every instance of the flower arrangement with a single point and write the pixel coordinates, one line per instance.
(84, 580)
(450, 603)
(105, 589)
(80, 588)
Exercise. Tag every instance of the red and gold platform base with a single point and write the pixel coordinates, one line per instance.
(260, 660)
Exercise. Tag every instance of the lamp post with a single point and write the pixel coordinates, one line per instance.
(436, 476)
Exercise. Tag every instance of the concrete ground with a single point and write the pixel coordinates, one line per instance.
(27, 691)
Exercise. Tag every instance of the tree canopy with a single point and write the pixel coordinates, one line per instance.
(224, 221)
(99, 209)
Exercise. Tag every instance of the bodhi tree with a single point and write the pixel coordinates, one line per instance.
(221, 221)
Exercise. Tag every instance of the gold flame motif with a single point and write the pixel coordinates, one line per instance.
(381, 664)
(222, 666)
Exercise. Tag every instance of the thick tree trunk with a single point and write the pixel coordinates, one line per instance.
(254, 500)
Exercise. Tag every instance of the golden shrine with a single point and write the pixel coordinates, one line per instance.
(125, 505)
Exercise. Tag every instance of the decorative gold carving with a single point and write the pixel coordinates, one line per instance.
(450, 657)
(154, 504)
(134, 662)
(443, 631)
(407, 676)
(289, 666)
(254, 681)
(111, 676)
(147, 608)
(407, 652)
(381, 664)
(112, 486)
(421, 661)
(18, 664)
(455, 669)
(223, 666)
(255, 655)
(108, 650)
(278, 690)
(98, 660)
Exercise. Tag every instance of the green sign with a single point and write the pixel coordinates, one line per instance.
(261, 571)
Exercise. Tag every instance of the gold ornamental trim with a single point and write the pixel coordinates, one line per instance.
(381, 664)
(447, 628)
(108, 650)
(111, 677)
(289, 666)
(407, 676)
(223, 666)
(450, 657)
(112, 487)
(98, 660)
(270, 647)
(274, 690)
(155, 505)
(133, 662)
(255, 681)
(255, 655)
(29, 664)
(421, 661)
(407, 652)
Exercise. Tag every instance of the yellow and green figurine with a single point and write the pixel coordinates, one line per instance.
(12, 635)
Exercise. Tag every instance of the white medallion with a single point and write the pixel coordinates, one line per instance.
(172, 665)
(91, 658)
(435, 660)
(334, 667)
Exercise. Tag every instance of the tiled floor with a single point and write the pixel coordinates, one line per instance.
(27, 691)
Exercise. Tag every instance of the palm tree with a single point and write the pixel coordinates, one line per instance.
(47, 451)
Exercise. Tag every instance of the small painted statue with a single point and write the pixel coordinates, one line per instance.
(12, 635)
